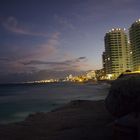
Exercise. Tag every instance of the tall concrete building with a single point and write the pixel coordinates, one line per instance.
(134, 34)
(116, 57)
(104, 62)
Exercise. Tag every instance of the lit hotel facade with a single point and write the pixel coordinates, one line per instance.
(116, 58)
(134, 34)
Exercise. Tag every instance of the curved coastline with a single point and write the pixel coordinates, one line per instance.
(79, 119)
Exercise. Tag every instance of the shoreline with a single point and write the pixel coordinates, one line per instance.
(79, 119)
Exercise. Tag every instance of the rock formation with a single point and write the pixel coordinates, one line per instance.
(124, 96)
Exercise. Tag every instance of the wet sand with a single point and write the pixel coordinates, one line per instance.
(78, 120)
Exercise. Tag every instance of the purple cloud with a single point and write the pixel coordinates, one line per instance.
(64, 22)
(73, 64)
(11, 24)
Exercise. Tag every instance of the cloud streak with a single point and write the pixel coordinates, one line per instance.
(42, 50)
(46, 49)
(11, 24)
(65, 23)
(66, 62)
(11, 63)
(4, 59)
(73, 64)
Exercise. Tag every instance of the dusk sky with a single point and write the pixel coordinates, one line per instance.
(42, 39)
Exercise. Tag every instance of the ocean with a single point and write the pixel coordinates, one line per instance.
(18, 101)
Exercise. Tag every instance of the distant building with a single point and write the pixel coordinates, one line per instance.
(100, 74)
(134, 34)
(116, 58)
(90, 74)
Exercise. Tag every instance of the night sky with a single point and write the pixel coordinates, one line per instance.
(42, 39)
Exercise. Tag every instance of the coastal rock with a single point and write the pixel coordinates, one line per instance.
(124, 96)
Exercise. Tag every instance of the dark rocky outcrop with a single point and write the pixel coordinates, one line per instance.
(124, 96)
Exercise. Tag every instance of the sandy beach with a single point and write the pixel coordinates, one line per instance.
(78, 120)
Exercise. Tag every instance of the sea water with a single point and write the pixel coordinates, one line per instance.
(18, 101)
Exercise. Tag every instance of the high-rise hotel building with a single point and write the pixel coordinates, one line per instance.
(116, 56)
(134, 34)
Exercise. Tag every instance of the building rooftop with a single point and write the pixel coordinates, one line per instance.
(116, 30)
(137, 22)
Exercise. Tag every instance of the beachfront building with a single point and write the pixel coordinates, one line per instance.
(134, 34)
(104, 62)
(116, 58)
(100, 74)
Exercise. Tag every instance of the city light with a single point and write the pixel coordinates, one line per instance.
(88, 76)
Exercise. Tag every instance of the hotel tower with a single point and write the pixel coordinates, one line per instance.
(116, 57)
(134, 34)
